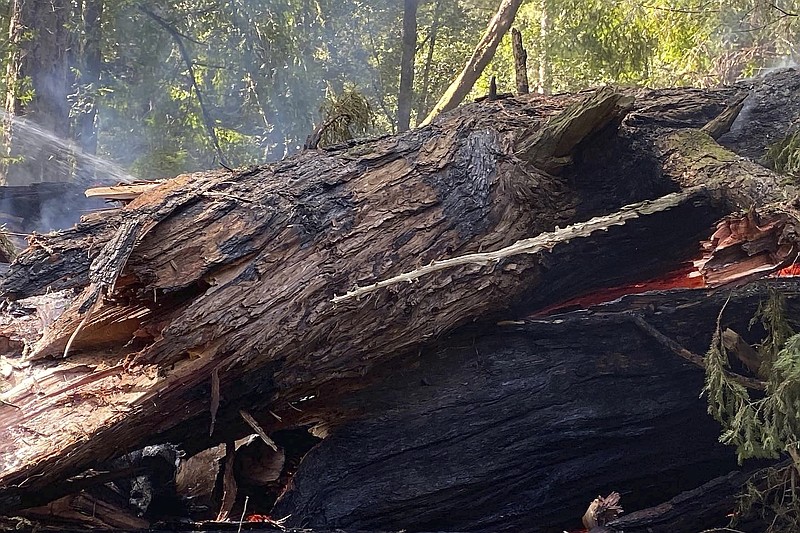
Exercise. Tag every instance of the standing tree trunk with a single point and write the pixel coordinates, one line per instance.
(483, 53)
(208, 121)
(37, 82)
(91, 63)
(544, 62)
(422, 97)
(406, 91)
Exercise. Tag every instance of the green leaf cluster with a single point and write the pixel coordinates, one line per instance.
(769, 424)
(784, 155)
(766, 424)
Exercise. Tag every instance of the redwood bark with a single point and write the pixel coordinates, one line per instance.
(237, 276)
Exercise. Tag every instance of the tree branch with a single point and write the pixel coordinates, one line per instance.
(178, 38)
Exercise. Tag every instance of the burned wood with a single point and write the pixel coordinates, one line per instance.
(258, 429)
(609, 374)
(689, 356)
(692, 157)
(82, 510)
(229, 488)
(721, 124)
(748, 246)
(214, 407)
(550, 148)
(736, 345)
(520, 62)
(313, 140)
(709, 504)
(239, 275)
(121, 192)
(177, 218)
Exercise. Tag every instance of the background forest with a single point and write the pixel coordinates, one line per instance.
(162, 87)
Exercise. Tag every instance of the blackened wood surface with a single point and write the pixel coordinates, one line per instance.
(518, 427)
(708, 506)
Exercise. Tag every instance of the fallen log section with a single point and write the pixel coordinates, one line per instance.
(343, 289)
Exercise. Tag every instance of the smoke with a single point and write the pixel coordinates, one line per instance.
(64, 157)
(788, 61)
(39, 156)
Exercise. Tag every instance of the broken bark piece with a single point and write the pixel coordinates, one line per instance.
(86, 510)
(748, 246)
(196, 480)
(229, 488)
(721, 124)
(126, 192)
(602, 511)
(741, 349)
(550, 149)
(7, 249)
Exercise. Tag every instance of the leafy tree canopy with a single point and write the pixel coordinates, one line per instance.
(186, 85)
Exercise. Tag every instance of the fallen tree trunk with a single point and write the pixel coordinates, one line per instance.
(559, 409)
(221, 291)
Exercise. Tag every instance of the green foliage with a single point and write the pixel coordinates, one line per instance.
(658, 43)
(345, 116)
(768, 424)
(773, 317)
(784, 155)
(730, 404)
(771, 496)
(264, 67)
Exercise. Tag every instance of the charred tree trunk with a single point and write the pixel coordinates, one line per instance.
(553, 403)
(520, 62)
(284, 289)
